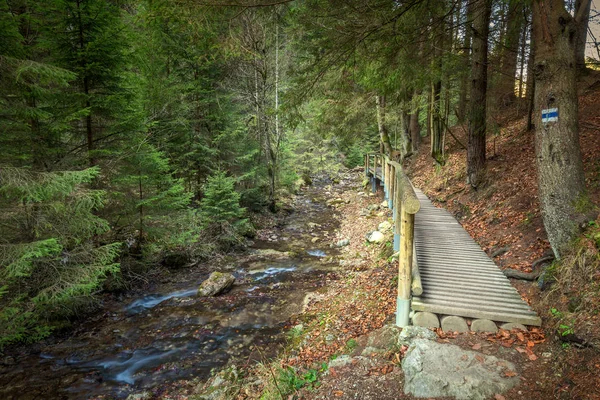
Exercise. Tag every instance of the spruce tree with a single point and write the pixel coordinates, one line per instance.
(52, 254)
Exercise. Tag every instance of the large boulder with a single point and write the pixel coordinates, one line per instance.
(216, 284)
(433, 369)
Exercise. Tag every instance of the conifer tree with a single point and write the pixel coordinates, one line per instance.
(52, 255)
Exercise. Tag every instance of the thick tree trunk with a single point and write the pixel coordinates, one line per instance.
(582, 10)
(508, 63)
(530, 88)
(560, 168)
(477, 105)
(384, 139)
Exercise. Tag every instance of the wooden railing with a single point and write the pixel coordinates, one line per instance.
(404, 204)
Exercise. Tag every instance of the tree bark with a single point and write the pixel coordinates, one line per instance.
(406, 134)
(415, 128)
(508, 63)
(530, 87)
(437, 144)
(477, 105)
(461, 108)
(582, 12)
(560, 168)
(384, 139)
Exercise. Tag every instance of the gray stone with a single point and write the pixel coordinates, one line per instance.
(426, 320)
(410, 333)
(216, 284)
(340, 361)
(384, 227)
(343, 242)
(382, 340)
(145, 395)
(373, 207)
(509, 326)
(364, 213)
(375, 237)
(432, 369)
(384, 204)
(453, 323)
(334, 202)
(483, 325)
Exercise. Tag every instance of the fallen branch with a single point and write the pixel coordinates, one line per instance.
(452, 134)
(526, 276)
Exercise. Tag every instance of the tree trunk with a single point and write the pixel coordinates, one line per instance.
(477, 105)
(437, 145)
(406, 134)
(508, 63)
(560, 168)
(582, 8)
(414, 127)
(530, 87)
(384, 139)
(464, 80)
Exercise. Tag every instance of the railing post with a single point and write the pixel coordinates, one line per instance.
(392, 201)
(397, 211)
(407, 225)
(383, 176)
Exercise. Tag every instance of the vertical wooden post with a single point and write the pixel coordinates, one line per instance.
(386, 176)
(397, 212)
(407, 225)
(374, 164)
(393, 190)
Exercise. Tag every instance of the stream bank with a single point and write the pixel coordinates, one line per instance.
(169, 340)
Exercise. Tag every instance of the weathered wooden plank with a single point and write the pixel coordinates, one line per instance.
(458, 277)
(528, 319)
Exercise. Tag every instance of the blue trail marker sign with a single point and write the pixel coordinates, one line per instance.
(549, 115)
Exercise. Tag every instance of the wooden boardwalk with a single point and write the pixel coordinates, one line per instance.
(457, 276)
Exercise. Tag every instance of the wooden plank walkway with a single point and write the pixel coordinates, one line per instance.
(457, 275)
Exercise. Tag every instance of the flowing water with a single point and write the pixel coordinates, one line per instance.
(169, 335)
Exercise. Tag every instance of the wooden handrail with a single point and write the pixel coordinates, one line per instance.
(405, 205)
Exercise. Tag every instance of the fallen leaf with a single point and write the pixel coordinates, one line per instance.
(521, 350)
(387, 369)
(510, 373)
(332, 372)
(338, 393)
(476, 346)
(530, 343)
(499, 397)
(479, 358)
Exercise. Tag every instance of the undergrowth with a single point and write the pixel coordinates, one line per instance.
(573, 300)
